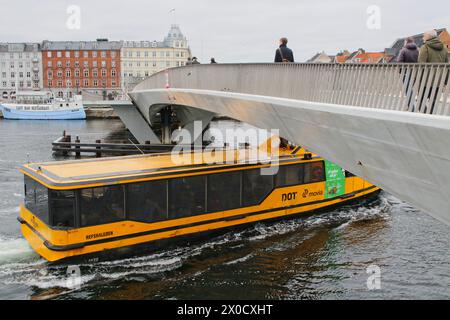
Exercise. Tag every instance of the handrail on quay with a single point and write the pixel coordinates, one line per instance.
(421, 88)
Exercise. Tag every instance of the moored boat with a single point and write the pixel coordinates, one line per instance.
(42, 106)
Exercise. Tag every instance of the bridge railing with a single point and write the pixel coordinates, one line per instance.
(420, 88)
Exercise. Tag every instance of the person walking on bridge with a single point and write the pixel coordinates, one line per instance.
(432, 51)
(283, 53)
(409, 53)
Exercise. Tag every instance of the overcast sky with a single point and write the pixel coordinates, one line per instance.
(229, 30)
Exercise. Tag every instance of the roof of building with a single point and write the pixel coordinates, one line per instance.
(341, 58)
(81, 45)
(19, 47)
(369, 57)
(174, 34)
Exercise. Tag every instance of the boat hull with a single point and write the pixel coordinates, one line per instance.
(71, 114)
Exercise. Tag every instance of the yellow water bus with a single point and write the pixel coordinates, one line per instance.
(99, 208)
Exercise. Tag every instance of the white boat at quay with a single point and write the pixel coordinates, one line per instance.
(39, 105)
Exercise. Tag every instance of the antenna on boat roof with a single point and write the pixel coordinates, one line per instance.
(136, 146)
(28, 158)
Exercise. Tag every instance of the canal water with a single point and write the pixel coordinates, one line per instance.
(320, 257)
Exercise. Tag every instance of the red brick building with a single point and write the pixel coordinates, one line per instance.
(73, 67)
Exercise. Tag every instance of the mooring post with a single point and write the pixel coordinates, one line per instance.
(98, 154)
(68, 139)
(77, 147)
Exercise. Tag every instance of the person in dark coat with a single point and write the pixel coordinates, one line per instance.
(213, 61)
(409, 53)
(195, 61)
(283, 53)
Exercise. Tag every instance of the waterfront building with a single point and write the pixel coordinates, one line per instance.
(321, 57)
(74, 67)
(20, 68)
(141, 59)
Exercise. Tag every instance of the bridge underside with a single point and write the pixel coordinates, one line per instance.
(406, 154)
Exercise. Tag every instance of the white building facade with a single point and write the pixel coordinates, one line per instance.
(20, 68)
(141, 59)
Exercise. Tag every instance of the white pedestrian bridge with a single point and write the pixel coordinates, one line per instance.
(389, 124)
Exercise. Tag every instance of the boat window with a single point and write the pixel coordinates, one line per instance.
(36, 199)
(314, 172)
(147, 201)
(102, 205)
(224, 191)
(348, 174)
(186, 196)
(255, 186)
(290, 175)
(62, 206)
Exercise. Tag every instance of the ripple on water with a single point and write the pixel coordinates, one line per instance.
(20, 265)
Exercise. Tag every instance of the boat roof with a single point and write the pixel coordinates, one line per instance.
(78, 174)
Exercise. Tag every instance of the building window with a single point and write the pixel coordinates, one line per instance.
(103, 73)
(59, 64)
(86, 83)
(77, 83)
(103, 64)
(77, 73)
(60, 83)
(113, 83)
(68, 74)
(77, 64)
(20, 74)
(113, 73)
(94, 54)
(85, 54)
(67, 54)
(49, 54)
(59, 54)
(50, 83)
(103, 54)
(86, 73)
(94, 64)
(50, 74)
(113, 54)
(59, 74)
(95, 83)
(95, 73)
(67, 64)
(77, 54)
(13, 75)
